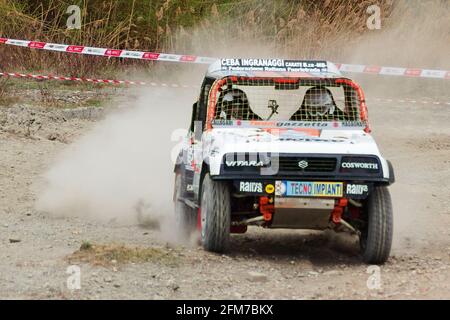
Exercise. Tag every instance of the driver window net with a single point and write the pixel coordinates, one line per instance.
(306, 100)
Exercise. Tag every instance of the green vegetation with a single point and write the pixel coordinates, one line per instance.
(117, 254)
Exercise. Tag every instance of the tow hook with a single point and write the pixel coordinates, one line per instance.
(266, 207)
(336, 214)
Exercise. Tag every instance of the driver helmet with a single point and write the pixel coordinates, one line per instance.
(318, 101)
(234, 104)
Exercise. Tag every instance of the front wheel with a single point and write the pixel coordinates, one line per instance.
(215, 214)
(376, 239)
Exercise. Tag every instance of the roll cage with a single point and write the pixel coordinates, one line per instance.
(204, 110)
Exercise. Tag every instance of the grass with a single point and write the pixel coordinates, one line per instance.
(51, 93)
(118, 254)
(94, 102)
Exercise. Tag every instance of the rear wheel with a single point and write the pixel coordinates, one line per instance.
(215, 214)
(185, 216)
(376, 238)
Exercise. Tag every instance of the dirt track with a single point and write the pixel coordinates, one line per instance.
(290, 264)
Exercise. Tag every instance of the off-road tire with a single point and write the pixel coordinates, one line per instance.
(185, 216)
(215, 215)
(376, 239)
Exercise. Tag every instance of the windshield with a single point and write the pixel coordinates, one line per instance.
(289, 99)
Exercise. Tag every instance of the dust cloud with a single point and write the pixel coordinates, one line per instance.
(416, 35)
(123, 168)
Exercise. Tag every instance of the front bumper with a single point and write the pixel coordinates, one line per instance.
(303, 188)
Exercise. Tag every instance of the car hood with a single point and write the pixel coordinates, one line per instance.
(218, 142)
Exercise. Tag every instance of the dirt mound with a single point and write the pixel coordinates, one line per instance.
(41, 123)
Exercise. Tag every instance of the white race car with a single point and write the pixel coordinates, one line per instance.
(282, 144)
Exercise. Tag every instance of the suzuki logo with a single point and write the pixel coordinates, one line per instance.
(303, 164)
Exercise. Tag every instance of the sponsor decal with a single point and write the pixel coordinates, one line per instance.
(223, 122)
(252, 62)
(356, 189)
(311, 139)
(254, 187)
(309, 189)
(280, 188)
(306, 124)
(251, 187)
(274, 65)
(293, 132)
(295, 125)
(263, 123)
(347, 123)
(244, 163)
(270, 188)
(360, 165)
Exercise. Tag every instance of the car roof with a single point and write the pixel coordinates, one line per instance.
(286, 68)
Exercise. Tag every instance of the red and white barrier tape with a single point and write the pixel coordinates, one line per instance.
(394, 71)
(176, 85)
(408, 101)
(105, 81)
(51, 77)
(108, 52)
(352, 68)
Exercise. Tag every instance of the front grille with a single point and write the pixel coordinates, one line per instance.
(307, 164)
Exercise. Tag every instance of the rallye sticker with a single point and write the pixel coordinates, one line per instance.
(309, 189)
(357, 190)
(254, 187)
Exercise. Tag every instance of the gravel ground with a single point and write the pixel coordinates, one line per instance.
(263, 264)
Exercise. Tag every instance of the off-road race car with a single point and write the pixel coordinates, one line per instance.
(282, 144)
